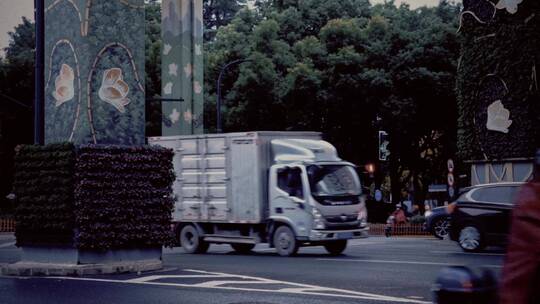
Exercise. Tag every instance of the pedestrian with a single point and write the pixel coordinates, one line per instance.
(399, 215)
(520, 281)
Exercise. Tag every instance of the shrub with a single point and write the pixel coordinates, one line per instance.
(94, 197)
(43, 184)
(123, 196)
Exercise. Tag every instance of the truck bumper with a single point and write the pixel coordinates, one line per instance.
(329, 235)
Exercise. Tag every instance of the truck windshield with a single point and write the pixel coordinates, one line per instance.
(333, 180)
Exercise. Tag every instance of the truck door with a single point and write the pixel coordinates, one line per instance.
(288, 191)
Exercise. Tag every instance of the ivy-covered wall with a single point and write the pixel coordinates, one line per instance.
(93, 197)
(497, 86)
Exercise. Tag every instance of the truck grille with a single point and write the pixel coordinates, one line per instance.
(341, 218)
(339, 222)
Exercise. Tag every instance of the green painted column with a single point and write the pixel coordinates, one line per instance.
(94, 71)
(182, 66)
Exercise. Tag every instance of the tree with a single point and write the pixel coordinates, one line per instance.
(16, 95)
(217, 13)
(335, 66)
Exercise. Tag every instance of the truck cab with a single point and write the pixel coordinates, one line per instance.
(316, 194)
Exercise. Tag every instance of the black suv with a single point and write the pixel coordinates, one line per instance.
(481, 215)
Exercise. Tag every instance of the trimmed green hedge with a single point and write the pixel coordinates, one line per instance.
(500, 61)
(123, 197)
(94, 197)
(44, 184)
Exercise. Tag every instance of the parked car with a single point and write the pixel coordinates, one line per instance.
(481, 215)
(438, 222)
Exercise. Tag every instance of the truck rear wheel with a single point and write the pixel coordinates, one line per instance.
(242, 248)
(285, 241)
(336, 247)
(191, 240)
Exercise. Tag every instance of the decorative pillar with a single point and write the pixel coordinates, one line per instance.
(94, 71)
(182, 66)
(498, 92)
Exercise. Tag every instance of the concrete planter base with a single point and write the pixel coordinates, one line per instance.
(52, 269)
(62, 261)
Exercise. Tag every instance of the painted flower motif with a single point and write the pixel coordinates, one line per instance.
(166, 49)
(173, 69)
(511, 6)
(188, 116)
(64, 90)
(114, 89)
(174, 116)
(167, 89)
(498, 117)
(188, 69)
(197, 87)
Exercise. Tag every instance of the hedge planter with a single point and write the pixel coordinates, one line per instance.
(93, 204)
(70, 255)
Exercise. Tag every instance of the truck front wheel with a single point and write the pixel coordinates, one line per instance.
(191, 241)
(336, 247)
(285, 241)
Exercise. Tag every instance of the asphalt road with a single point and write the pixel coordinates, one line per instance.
(374, 270)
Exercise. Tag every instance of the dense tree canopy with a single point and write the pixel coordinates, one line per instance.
(346, 69)
(16, 98)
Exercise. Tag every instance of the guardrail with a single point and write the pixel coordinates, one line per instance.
(397, 230)
(7, 225)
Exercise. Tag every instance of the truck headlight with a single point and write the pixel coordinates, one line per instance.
(318, 221)
(362, 213)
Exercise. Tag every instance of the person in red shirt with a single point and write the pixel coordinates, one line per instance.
(520, 281)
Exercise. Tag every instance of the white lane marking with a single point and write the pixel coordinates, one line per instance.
(402, 262)
(7, 245)
(227, 282)
(297, 288)
(467, 253)
(159, 277)
(388, 262)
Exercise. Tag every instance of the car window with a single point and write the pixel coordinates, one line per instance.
(498, 194)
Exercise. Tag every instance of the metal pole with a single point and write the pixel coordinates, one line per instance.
(39, 87)
(218, 101)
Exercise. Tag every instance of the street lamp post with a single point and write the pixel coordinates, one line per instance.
(218, 102)
(39, 89)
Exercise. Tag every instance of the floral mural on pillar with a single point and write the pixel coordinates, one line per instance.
(182, 62)
(94, 71)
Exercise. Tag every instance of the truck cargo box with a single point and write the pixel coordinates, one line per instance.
(223, 177)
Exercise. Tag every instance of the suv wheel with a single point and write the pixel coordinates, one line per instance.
(441, 228)
(470, 239)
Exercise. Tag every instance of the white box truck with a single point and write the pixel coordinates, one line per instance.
(287, 189)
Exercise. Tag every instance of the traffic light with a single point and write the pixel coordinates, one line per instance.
(383, 146)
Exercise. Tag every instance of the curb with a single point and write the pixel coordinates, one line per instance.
(48, 269)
